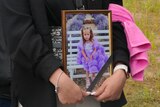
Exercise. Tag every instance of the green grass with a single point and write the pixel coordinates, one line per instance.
(147, 16)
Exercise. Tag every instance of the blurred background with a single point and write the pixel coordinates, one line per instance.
(147, 16)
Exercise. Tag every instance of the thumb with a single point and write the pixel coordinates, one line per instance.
(85, 94)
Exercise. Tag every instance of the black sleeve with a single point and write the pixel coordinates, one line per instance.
(120, 50)
(26, 36)
(118, 2)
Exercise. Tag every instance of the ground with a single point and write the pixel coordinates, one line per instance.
(147, 93)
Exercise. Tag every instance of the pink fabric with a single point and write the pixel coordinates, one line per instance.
(138, 44)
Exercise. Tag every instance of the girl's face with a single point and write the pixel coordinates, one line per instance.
(86, 34)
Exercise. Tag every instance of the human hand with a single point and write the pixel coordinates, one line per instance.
(111, 88)
(87, 58)
(68, 91)
(91, 57)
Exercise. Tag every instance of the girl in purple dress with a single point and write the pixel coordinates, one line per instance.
(90, 54)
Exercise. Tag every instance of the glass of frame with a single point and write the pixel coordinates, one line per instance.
(87, 46)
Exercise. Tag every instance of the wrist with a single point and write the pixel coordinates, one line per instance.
(53, 77)
(57, 82)
(122, 68)
(121, 74)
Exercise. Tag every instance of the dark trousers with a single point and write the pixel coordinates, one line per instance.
(5, 102)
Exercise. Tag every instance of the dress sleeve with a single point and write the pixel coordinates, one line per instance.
(26, 40)
(120, 49)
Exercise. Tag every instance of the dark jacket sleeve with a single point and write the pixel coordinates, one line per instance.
(120, 49)
(26, 29)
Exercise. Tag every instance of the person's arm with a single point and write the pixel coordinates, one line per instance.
(120, 50)
(67, 90)
(95, 46)
(27, 34)
(112, 87)
(84, 54)
(25, 41)
(118, 2)
(94, 51)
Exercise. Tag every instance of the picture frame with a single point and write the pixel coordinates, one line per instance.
(84, 58)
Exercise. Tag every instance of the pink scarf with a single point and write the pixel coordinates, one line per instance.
(138, 44)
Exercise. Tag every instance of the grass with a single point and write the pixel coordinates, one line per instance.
(147, 16)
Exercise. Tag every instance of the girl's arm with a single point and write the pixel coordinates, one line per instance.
(84, 54)
(112, 87)
(93, 53)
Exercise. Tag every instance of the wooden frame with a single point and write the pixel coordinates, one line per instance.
(73, 21)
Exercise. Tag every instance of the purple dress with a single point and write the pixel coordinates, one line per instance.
(98, 59)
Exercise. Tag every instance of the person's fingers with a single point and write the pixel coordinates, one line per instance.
(88, 93)
(103, 97)
(84, 93)
(80, 100)
(69, 92)
(109, 94)
(99, 91)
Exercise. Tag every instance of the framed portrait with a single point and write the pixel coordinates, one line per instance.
(87, 46)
